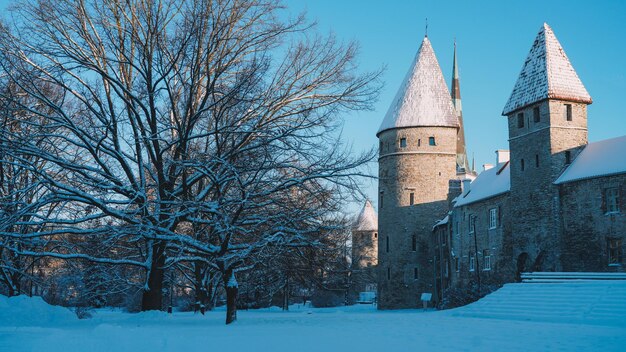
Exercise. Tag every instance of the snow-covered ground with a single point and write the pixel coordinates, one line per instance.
(31, 325)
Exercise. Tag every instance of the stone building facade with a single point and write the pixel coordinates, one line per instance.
(552, 202)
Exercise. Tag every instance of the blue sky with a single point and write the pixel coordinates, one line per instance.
(493, 39)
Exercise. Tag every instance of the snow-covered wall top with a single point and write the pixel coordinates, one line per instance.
(603, 158)
(368, 219)
(547, 73)
(423, 98)
(489, 183)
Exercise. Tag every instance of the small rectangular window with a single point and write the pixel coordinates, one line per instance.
(486, 260)
(415, 273)
(380, 146)
(387, 244)
(611, 196)
(537, 160)
(419, 142)
(402, 142)
(536, 115)
(472, 224)
(381, 200)
(493, 218)
(414, 243)
(431, 141)
(457, 264)
(522, 164)
(615, 251)
(520, 120)
(568, 157)
(411, 198)
(568, 112)
(388, 273)
(472, 263)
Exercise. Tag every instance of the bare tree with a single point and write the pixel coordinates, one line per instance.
(178, 114)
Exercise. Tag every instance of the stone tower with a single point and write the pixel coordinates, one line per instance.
(547, 118)
(365, 249)
(417, 158)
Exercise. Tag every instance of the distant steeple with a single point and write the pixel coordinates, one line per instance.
(547, 73)
(423, 99)
(461, 152)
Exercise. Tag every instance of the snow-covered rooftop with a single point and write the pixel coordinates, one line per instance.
(368, 219)
(603, 158)
(423, 98)
(547, 73)
(489, 183)
(442, 221)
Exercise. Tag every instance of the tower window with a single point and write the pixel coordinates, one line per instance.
(486, 260)
(522, 164)
(431, 141)
(411, 198)
(387, 244)
(493, 218)
(419, 142)
(380, 146)
(457, 264)
(381, 199)
(402, 142)
(520, 120)
(568, 112)
(537, 160)
(611, 199)
(472, 263)
(388, 273)
(375, 234)
(415, 273)
(536, 116)
(568, 157)
(414, 243)
(615, 251)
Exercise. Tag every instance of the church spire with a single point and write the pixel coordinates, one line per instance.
(461, 152)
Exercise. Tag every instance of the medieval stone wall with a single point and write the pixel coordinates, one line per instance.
(423, 170)
(588, 225)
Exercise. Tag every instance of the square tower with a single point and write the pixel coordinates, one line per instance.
(547, 120)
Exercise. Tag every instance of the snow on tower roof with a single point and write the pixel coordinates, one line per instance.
(547, 73)
(423, 98)
(368, 219)
(603, 158)
(488, 184)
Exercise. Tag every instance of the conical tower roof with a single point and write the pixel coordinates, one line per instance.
(547, 73)
(423, 98)
(368, 219)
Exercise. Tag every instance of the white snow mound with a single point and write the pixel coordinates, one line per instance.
(31, 311)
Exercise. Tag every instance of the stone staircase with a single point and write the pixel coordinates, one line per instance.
(595, 301)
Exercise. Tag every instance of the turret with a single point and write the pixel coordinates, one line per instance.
(418, 153)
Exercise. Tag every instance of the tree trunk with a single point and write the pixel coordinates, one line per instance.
(230, 283)
(153, 297)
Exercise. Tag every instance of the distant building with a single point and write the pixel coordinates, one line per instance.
(365, 253)
(552, 202)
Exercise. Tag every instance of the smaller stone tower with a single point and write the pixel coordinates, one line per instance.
(547, 118)
(365, 249)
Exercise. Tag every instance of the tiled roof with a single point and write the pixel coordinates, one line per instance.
(603, 158)
(423, 98)
(547, 73)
